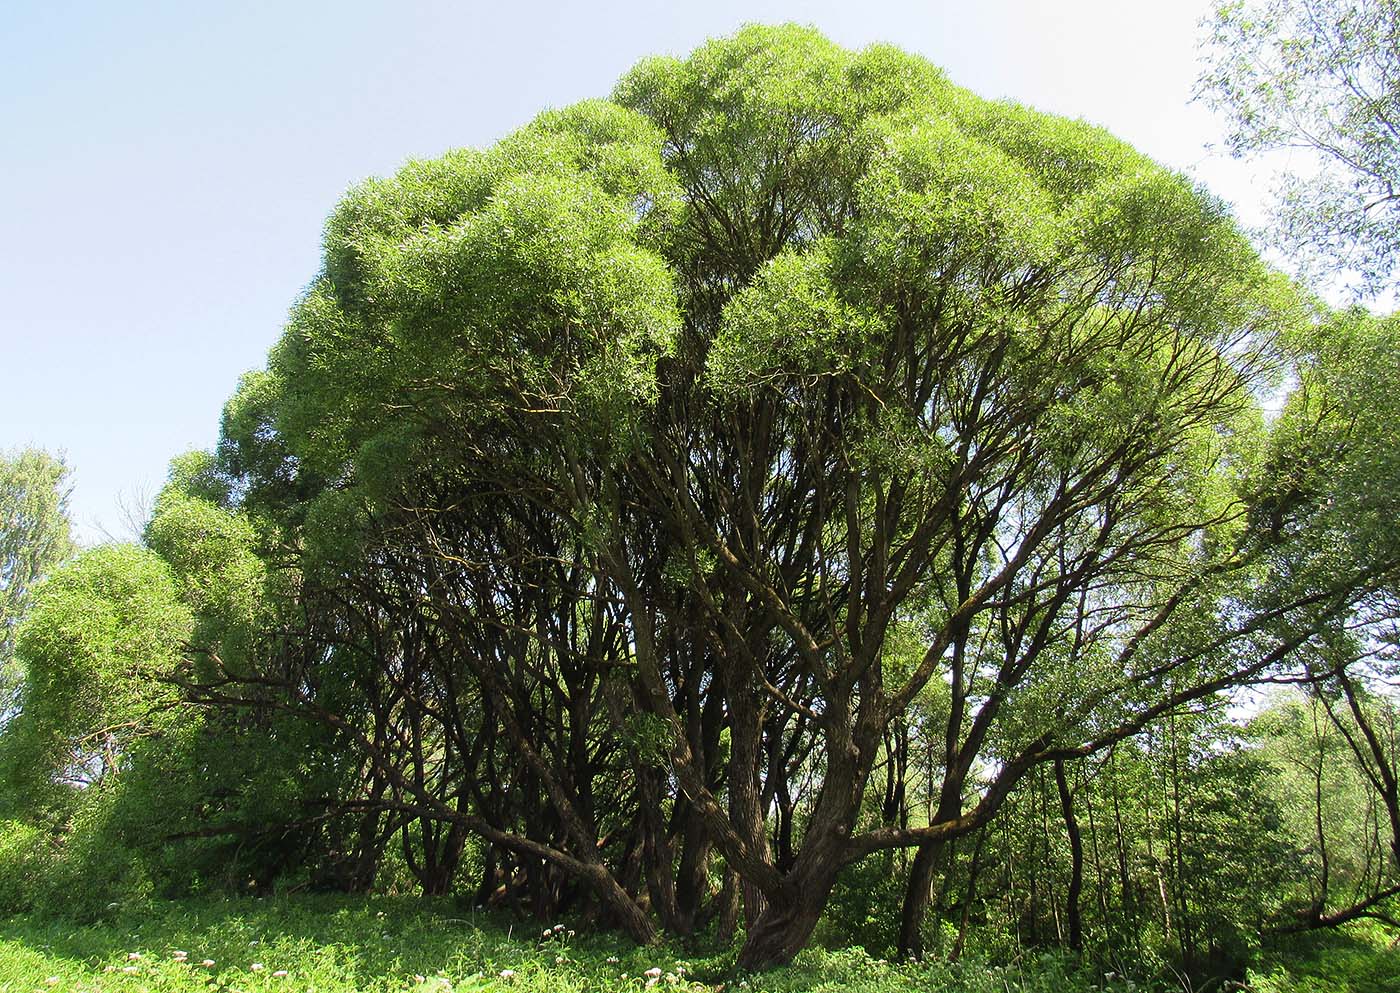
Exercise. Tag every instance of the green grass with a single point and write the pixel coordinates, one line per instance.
(326, 944)
(1359, 959)
(358, 945)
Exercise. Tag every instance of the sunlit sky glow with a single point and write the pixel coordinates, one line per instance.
(167, 167)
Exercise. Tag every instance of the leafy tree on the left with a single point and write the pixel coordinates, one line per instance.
(34, 537)
(111, 785)
(98, 637)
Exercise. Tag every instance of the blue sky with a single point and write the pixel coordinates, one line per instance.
(167, 167)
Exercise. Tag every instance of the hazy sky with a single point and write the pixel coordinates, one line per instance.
(165, 168)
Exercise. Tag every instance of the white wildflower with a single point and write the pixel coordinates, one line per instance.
(507, 973)
(207, 963)
(256, 967)
(653, 973)
(280, 973)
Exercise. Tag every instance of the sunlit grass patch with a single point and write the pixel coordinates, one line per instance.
(332, 945)
(318, 944)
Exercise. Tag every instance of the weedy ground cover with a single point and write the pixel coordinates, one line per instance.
(315, 944)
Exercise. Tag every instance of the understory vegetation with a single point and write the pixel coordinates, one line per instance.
(395, 945)
(793, 517)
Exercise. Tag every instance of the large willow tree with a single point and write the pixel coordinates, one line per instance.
(641, 479)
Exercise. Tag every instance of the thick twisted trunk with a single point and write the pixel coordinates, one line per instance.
(790, 915)
(781, 931)
(787, 921)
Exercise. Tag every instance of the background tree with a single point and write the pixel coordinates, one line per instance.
(1321, 77)
(100, 633)
(34, 537)
(1334, 799)
(1335, 496)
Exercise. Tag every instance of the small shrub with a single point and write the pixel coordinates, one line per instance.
(24, 859)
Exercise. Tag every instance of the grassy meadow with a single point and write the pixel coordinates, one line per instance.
(340, 945)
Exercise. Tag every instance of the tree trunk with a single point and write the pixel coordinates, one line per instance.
(692, 876)
(790, 914)
(917, 895)
(488, 885)
(727, 906)
(782, 930)
(1076, 854)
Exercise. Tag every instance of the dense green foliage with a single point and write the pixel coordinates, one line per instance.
(794, 499)
(34, 537)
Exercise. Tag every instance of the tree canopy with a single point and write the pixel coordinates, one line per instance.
(1321, 77)
(624, 498)
(694, 397)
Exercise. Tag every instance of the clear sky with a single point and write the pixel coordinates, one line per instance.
(166, 167)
